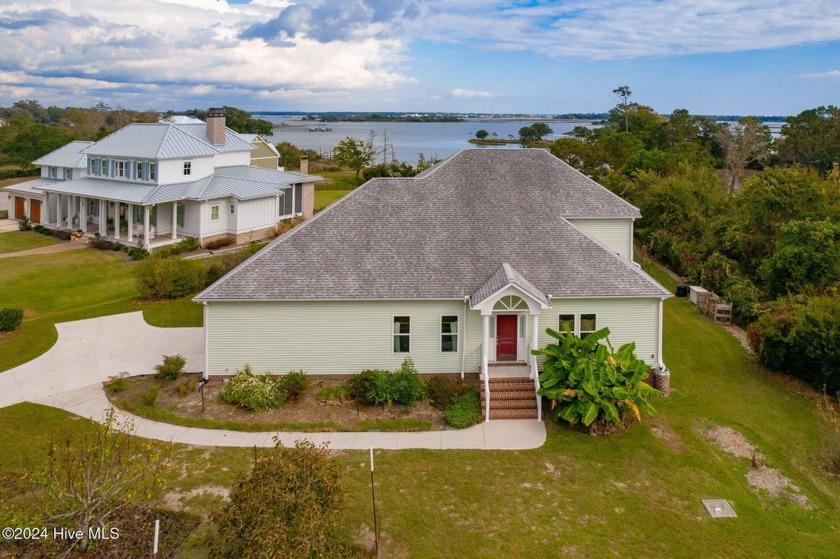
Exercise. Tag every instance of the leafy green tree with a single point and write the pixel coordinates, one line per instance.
(807, 255)
(289, 155)
(87, 480)
(541, 129)
(481, 134)
(812, 138)
(527, 135)
(288, 506)
(355, 153)
(242, 122)
(26, 142)
(588, 381)
(623, 92)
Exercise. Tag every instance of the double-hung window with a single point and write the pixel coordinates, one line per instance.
(68, 174)
(179, 215)
(152, 171)
(119, 169)
(53, 172)
(402, 334)
(93, 207)
(138, 168)
(567, 321)
(214, 213)
(187, 167)
(449, 334)
(588, 324)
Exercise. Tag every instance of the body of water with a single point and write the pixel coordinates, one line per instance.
(406, 140)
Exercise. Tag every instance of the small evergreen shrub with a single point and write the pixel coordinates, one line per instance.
(168, 278)
(186, 386)
(189, 244)
(62, 235)
(39, 229)
(10, 319)
(149, 397)
(465, 412)
(256, 393)
(408, 385)
(230, 260)
(138, 252)
(294, 383)
(101, 243)
(362, 387)
(171, 367)
(442, 391)
(118, 383)
(24, 224)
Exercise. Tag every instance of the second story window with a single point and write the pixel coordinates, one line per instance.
(187, 167)
(138, 167)
(152, 171)
(53, 172)
(119, 168)
(68, 174)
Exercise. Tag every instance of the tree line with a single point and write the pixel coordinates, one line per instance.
(751, 217)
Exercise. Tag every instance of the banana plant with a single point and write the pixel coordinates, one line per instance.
(587, 380)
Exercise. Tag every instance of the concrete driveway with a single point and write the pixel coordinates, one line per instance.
(70, 375)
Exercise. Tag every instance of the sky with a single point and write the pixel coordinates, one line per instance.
(748, 57)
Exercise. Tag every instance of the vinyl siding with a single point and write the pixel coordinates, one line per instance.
(616, 233)
(220, 225)
(629, 320)
(231, 158)
(255, 214)
(171, 171)
(347, 336)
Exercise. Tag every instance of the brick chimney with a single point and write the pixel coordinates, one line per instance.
(216, 126)
(304, 164)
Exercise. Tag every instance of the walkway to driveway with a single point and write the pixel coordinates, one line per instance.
(49, 249)
(70, 375)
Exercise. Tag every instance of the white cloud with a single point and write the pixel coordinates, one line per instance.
(470, 93)
(818, 75)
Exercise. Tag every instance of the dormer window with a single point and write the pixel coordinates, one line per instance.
(152, 171)
(53, 172)
(68, 174)
(138, 167)
(187, 167)
(119, 169)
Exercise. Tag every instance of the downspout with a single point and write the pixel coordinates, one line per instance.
(463, 335)
(659, 338)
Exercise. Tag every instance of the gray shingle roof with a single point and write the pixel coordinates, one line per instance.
(164, 140)
(503, 277)
(444, 234)
(69, 155)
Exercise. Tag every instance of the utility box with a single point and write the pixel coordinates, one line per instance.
(697, 295)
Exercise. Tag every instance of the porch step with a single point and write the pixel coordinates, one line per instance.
(511, 398)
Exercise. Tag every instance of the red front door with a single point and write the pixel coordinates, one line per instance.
(506, 334)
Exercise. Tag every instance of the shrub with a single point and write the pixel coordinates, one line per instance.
(189, 244)
(362, 387)
(168, 278)
(408, 385)
(327, 393)
(171, 367)
(186, 386)
(588, 381)
(118, 383)
(24, 224)
(4, 214)
(10, 319)
(465, 412)
(256, 393)
(442, 391)
(294, 383)
(39, 228)
(230, 260)
(138, 252)
(289, 505)
(101, 243)
(63, 235)
(149, 397)
(221, 242)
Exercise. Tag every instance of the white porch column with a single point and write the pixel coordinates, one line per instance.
(117, 220)
(174, 220)
(146, 227)
(69, 211)
(83, 214)
(130, 212)
(46, 208)
(103, 217)
(485, 372)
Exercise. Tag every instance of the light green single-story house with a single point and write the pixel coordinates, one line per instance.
(462, 268)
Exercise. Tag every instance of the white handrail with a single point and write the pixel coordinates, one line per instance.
(536, 373)
(486, 372)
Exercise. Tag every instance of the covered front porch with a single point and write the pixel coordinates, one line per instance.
(150, 225)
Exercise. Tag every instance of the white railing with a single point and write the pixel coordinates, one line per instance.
(535, 371)
(486, 373)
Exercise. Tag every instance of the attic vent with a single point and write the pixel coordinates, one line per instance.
(510, 303)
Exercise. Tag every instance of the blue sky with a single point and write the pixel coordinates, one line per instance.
(710, 57)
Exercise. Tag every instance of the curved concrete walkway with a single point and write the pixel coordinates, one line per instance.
(70, 376)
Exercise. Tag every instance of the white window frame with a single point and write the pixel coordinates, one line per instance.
(138, 169)
(93, 207)
(233, 208)
(455, 335)
(395, 334)
(119, 168)
(574, 327)
(53, 172)
(68, 174)
(187, 168)
(180, 214)
(152, 171)
(583, 333)
(214, 212)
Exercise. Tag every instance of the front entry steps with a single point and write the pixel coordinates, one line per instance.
(511, 398)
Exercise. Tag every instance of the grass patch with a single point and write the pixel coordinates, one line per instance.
(167, 416)
(15, 241)
(336, 180)
(324, 198)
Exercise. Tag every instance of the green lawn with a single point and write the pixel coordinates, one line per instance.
(324, 198)
(15, 241)
(74, 285)
(337, 180)
(630, 495)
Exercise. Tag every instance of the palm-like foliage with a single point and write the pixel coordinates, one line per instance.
(586, 380)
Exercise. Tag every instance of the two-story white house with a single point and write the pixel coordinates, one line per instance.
(156, 183)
